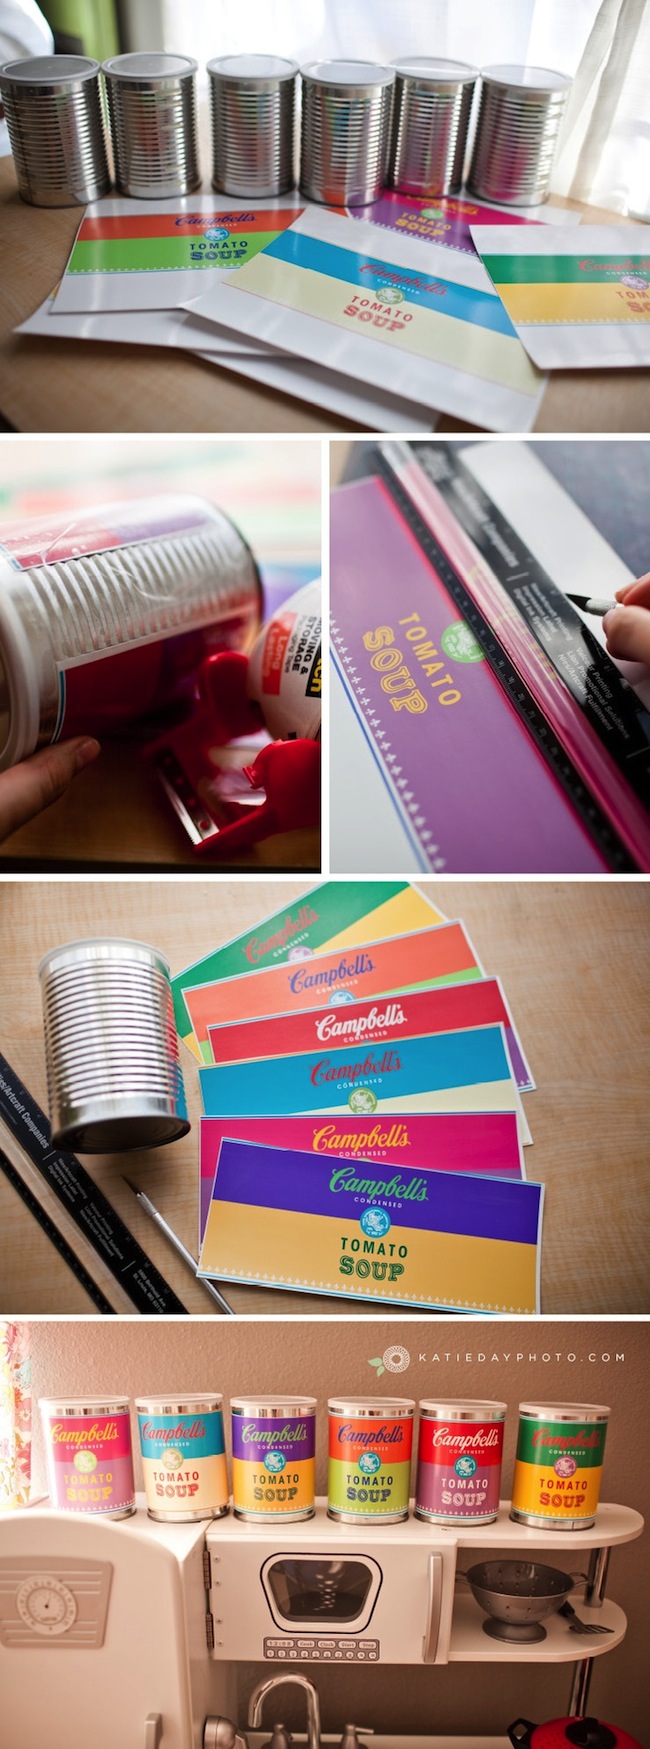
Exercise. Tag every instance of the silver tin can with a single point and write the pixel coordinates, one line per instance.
(253, 108)
(85, 597)
(559, 1464)
(152, 114)
(273, 1458)
(113, 1070)
(346, 119)
(369, 1450)
(54, 118)
(460, 1452)
(183, 1457)
(517, 130)
(433, 99)
(88, 1455)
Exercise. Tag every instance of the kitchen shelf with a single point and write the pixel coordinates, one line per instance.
(614, 1524)
(468, 1642)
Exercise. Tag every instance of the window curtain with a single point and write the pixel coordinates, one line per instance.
(604, 45)
(15, 1416)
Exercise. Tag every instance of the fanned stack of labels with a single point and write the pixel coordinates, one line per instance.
(382, 313)
(364, 1130)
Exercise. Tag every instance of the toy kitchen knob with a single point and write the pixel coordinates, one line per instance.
(222, 1734)
(574, 1733)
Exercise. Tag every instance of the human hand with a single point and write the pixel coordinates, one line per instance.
(627, 627)
(37, 782)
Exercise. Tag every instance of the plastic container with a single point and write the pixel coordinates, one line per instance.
(559, 1464)
(273, 1457)
(460, 1452)
(370, 1444)
(88, 1454)
(183, 1457)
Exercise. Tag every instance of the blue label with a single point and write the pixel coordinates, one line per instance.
(196, 1436)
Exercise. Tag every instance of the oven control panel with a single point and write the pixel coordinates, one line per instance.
(58, 1603)
(310, 1647)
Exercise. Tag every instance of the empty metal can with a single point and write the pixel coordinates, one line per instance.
(460, 1451)
(152, 114)
(559, 1464)
(517, 129)
(346, 118)
(106, 614)
(88, 1455)
(273, 1457)
(431, 111)
(56, 130)
(370, 1445)
(253, 107)
(183, 1457)
(113, 1071)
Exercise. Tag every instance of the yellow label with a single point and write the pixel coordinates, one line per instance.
(538, 1490)
(260, 1490)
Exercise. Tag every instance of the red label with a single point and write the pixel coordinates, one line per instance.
(441, 1442)
(108, 1437)
(275, 647)
(392, 1440)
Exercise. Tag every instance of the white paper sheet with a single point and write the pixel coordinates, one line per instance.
(577, 302)
(438, 333)
(312, 383)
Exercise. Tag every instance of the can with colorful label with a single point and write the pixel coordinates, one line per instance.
(88, 1452)
(559, 1464)
(273, 1457)
(460, 1452)
(370, 1444)
(183, 1456)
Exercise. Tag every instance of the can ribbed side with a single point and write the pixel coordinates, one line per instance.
(253, 138)
(345, 144)
(58, 144)
(113, 1071)
(152, 589)
(154, 137)
(429, 139)
(516, 139)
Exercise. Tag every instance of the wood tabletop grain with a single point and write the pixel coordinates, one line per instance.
(575, 961)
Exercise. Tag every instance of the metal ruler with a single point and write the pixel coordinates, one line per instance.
(91, 1211)
(56, 1238)
(593, 817)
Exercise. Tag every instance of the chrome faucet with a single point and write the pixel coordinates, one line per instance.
(259, 1694)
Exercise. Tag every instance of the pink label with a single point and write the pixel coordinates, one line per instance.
(90, 1463)
(459, 1468)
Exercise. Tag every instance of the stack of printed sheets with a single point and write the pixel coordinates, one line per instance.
(386, 315)
(364, 1130)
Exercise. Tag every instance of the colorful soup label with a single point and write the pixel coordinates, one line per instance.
(459, 1469)
(369, 1465)
(558, 1468)
(184, 1461)
(273, 1464)
(90, 1463)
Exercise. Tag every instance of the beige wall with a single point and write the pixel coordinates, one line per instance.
(323, 1358)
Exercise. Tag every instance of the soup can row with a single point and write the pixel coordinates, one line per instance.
(363, 127)
(557, 1476)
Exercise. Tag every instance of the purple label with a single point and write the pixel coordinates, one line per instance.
(255, 1439)
(459, 1468)
(438, 219)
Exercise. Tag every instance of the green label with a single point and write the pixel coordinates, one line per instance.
(368, 1488)
(543, 1442)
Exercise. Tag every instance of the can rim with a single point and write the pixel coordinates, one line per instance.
(17, 663)
(566, 1411)
(179, 1405)
(513, 74)
(463, 1409)
(115, 67)
(218, 69)
(429, 70)
(268, 1407)
(372, 1406)
(64, 954)
(58, 71)
(369, 74)
(80, 1406)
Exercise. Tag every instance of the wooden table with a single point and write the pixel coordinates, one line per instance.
(575, 961)
(66, 385)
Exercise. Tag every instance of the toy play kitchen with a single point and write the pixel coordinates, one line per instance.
(130, 1632)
